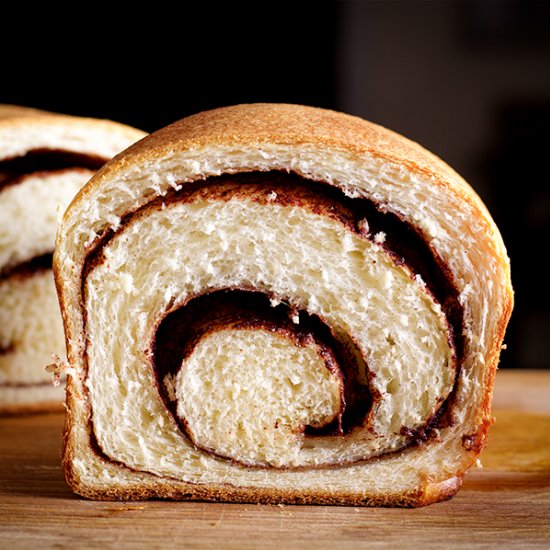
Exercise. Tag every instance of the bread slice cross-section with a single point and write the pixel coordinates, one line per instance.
(277, 303)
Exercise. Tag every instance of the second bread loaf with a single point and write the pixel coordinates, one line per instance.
(45, 159)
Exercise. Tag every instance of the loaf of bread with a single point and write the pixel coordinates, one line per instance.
(44, 160)
(277, 303)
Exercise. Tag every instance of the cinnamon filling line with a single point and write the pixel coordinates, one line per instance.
(180, 329)
(29, 268)
(12, 170)
(40, 161)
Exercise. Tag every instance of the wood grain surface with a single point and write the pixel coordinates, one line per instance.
(505, 504)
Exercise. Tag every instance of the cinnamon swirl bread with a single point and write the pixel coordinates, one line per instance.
(277, 303)
(44, 160)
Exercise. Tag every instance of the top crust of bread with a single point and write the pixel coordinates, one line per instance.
(293, 125)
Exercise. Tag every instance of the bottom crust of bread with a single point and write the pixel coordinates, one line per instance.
(429, 493)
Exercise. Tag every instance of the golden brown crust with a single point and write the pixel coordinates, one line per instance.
(292, 125)
(67, 452)
(486, 419)
(431, 493)
(289, 125)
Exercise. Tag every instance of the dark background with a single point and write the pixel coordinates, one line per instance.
(469, 80)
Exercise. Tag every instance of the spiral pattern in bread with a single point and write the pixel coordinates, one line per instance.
(277, 303)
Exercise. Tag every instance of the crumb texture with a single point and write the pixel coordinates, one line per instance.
(309, 260)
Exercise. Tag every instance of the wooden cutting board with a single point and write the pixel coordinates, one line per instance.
(504, 504)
